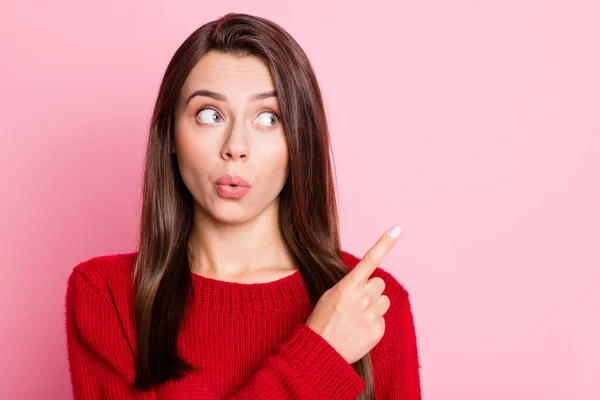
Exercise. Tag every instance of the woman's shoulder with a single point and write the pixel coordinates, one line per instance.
(98, 314)
(103, 266)
(108, 275)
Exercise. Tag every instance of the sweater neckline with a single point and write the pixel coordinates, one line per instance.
(280, 294)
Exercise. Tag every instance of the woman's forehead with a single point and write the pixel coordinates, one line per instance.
(231, 75)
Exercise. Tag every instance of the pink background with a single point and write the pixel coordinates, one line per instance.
(474, 125)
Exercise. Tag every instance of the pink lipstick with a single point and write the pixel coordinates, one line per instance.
(232, 187)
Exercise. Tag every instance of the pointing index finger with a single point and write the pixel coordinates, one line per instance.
(374, 256)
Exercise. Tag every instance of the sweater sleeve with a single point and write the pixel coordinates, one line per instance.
(399, 376)
(305, 367)
(101, 361)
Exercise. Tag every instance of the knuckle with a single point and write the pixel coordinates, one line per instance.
(386, 303)
(383, 304)
(365, 301)
(378, 282)
(372, 317)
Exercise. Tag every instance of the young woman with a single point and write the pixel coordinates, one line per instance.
(238, 288)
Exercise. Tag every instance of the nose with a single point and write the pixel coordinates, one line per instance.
(236, 145)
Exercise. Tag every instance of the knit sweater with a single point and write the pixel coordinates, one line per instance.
(250, 340)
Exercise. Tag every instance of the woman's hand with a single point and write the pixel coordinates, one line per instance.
(350, 315)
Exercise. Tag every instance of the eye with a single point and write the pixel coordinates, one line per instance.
(270, 119)
(208, 116)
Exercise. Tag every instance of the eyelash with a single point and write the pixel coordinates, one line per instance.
(261, 111)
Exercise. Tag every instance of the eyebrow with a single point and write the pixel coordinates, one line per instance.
(220, 97)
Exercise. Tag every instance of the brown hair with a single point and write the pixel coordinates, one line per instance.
(308, 216)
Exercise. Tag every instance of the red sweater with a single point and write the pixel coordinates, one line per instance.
(250, 339)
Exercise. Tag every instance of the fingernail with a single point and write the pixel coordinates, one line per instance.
(395, 232)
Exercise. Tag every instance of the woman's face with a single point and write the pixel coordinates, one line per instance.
(232, 134)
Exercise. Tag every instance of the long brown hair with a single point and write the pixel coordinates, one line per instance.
(308, 216)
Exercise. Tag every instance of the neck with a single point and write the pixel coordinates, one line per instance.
(224, 250)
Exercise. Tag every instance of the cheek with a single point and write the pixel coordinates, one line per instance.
(277, 163)
(194, 160)
(192, 150)
(189, 154)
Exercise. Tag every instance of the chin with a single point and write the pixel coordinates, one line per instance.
(229, 215)
(230, 220)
